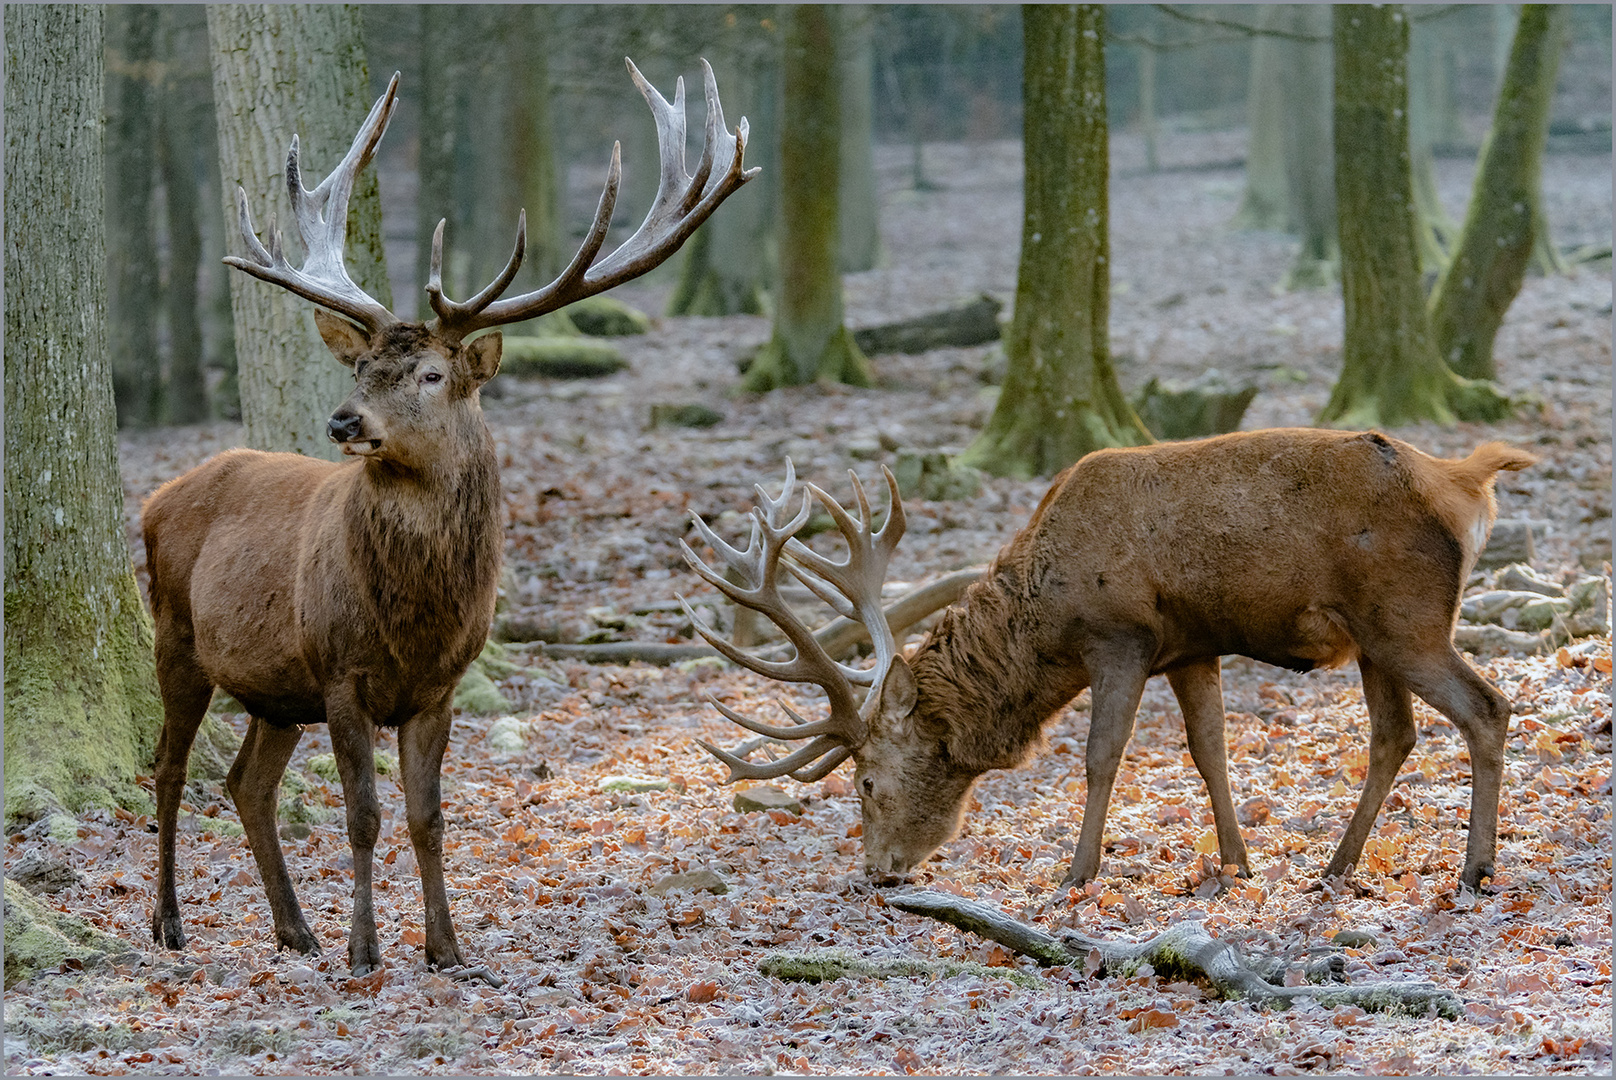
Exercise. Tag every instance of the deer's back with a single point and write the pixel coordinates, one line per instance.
(1282, 545)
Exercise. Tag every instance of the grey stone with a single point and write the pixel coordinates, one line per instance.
(765, 797)
(690, 881)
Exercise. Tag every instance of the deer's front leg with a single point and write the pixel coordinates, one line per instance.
(421, 742)
(1119, 681)
(353, 741)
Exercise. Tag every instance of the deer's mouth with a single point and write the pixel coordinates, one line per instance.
(362, 447)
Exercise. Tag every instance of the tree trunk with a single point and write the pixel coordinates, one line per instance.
(279, 70)
(1266, 203)
(1309, 166)
(80, 687)
(532, 139)
(1501, 223)
(860, 204)
(1431, 117)
(726, 267)
(184, 98)
(133, 299)
(438, 135)
(810, 342)
(1060, 398)
(1391, 372)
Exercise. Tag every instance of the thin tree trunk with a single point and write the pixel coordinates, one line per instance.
(1266, 203)
(1147, 108)
(80, 686)
(280, 70)
(1309, 166)
(1501, 224)
(438, 135)
(133, 299)
(1391, 372)
(725, 269)
(810, 341)
(185, 96)
(1060, 398)
(860, 207)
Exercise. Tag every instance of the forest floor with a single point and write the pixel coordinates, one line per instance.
(551, 868)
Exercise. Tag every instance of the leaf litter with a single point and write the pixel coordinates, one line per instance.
(552, 857)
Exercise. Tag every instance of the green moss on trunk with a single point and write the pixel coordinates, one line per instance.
(1503, 225)
(1060, 398)
(1391, 372)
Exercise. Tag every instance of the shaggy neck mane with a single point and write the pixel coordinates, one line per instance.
(442, 526)
(989, 674)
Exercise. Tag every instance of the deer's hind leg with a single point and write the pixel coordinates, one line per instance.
(253, 782)
(1199, 689)
(1391, 738)
(186, 692)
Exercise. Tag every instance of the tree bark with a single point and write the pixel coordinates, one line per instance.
(1501, 223)
(860, 205)
(133, 296)
(439, 132)
(1391, 372)
(1060, 397)
(1265, 204)
(1309, 167)
(1431, 117)
(80, 686)
(728, 265)
(810, 341)
(185, 96)
(280, 70)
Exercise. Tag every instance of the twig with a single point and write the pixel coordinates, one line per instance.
(1183, 950)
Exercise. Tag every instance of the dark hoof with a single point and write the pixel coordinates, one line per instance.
(364, 959)
(298, 939)
(166, 932)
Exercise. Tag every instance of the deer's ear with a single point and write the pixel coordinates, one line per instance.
(482, 355)
(345, 340)
(898, 691)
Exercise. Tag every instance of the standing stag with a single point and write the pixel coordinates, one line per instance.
(357, 594)
(1297, 547)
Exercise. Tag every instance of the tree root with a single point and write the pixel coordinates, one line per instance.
(1185, 951)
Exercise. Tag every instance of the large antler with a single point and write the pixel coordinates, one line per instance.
(322, 222)
(682, 203)
(852, 587)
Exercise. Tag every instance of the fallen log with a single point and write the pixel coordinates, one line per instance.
(839, 636)
(1183, 951)
(973, 323)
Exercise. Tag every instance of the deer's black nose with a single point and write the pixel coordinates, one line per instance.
(344, 426)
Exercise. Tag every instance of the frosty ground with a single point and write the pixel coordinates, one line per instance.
(551, 875)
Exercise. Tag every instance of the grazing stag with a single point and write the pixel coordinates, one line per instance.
(1300, 548)
(356, 594)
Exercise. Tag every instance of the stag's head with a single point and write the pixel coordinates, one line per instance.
(911, 789)
(416, 383)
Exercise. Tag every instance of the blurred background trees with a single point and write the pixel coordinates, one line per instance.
(511, 107)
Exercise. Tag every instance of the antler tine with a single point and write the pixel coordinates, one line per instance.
(321, 216)
(751, 770)
(682, 203)
(852, 587)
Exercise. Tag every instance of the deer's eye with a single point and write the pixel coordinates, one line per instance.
(432, 377)
(869, 785)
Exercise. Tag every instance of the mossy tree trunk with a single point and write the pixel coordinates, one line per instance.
(439, 132)
(1501, 224)
(1060, 397)
(1265, 202)
(810, 341)
(80, 687)
(1432, 118)
(1309, 160)
(133, 296)
(860, 207)
(727, 267)
(1391, 372)
(280, 69)
(185, 97)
